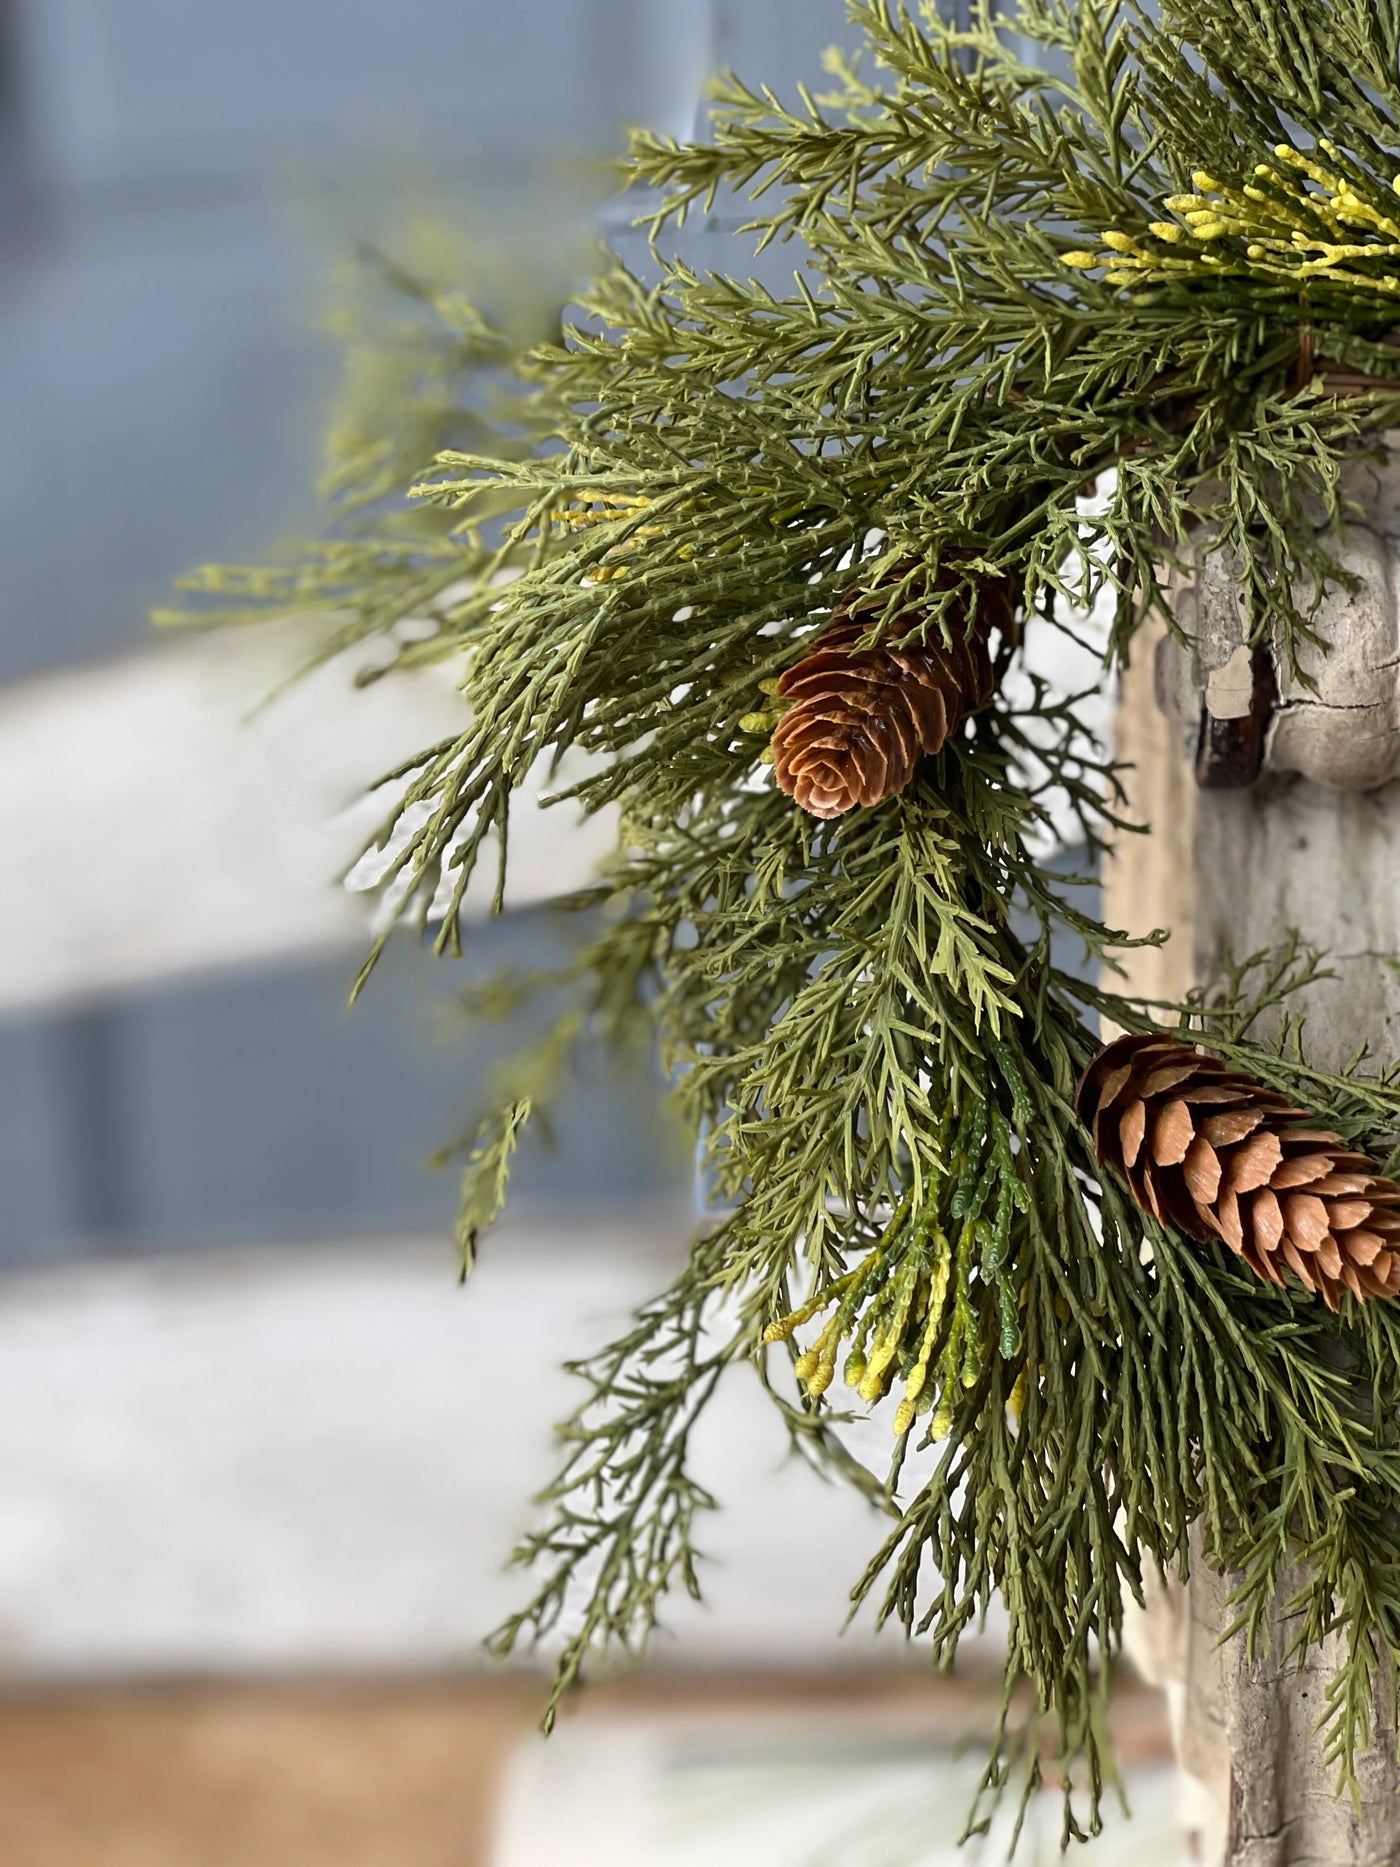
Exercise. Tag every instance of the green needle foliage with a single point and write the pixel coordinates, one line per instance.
(1025, 256)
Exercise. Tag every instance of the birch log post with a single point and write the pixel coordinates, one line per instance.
(1272, 806)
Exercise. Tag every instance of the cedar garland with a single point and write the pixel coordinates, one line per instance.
(879, 1056)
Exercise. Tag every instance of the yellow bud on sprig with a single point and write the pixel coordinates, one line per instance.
(875, 1381)
(782, 1331)
(941, 1424)
(1308, 222)
(820, 1379)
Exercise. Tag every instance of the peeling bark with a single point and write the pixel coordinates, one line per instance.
(1314, 845)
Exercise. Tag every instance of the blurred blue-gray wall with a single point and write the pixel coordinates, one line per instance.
(161, 382)
(164, 390)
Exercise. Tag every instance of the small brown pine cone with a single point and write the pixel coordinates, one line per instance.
(1219, 1155)
(860, 719)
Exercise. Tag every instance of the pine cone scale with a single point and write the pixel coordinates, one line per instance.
(1172, 1134)
(1329, 1257)
(1225, 1218)
(929, 713)
(1202, 1171)
(1343, 1183)
(1298, 1267)
(1255, 1163)
(1219, 1155)
(1166, 1077)
(1303, 1169)
(1344, 1215)
(1304, 1220)
(1234, 1126)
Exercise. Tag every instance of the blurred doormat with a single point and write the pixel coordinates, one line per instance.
(807, 1785)
(677, 1770)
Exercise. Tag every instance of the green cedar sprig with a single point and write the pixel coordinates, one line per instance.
(623, 556)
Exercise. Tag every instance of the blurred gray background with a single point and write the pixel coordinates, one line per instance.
(165, 389)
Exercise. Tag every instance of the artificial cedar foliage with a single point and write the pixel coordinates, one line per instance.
(1011, 273)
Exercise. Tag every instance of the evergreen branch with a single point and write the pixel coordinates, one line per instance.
(622, 1511)
(626, 532)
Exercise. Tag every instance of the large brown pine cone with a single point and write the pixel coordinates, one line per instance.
(1218, 1154)
(859, 720)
